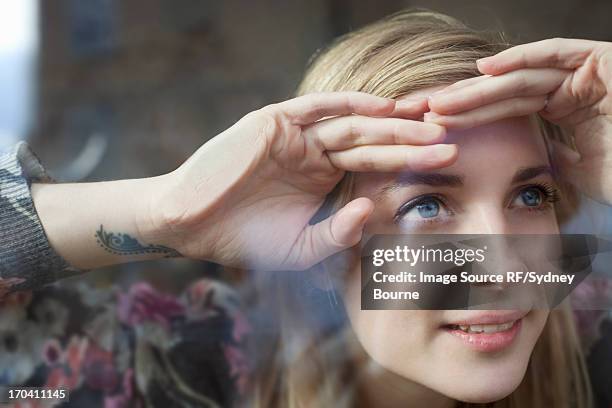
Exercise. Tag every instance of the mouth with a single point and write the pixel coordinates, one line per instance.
(487, 333)
(482, 328)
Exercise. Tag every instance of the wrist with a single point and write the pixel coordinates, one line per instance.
(178, 213)
(98, 224)
(151, 215)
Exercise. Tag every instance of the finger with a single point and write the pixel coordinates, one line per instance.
(337, 232)
(574, 94)
(463, 83)
(309, 108)
(344, 132)
(410, 107)
(566, 162)
(394, 158)
(457, 85)
(524, 82)
(573, 118)
(506, 108)
(560, 53)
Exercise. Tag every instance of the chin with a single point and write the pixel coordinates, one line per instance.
(484, 384)
(482, 395)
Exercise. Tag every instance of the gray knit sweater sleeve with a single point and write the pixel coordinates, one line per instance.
(27, 260)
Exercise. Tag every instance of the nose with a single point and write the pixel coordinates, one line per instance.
(489, 219)
(485, 218)
(500, 237)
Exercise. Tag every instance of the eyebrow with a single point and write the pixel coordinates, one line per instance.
(429, 179)
(453, 180)
(527, 173)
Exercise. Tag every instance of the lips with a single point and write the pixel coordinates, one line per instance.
(488, 332)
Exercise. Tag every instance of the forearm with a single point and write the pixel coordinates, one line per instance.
(98, 224)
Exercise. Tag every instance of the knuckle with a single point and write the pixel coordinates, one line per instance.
(412, 157)
(317, 110)
(557, 43)
(352, 128)
(356, 135)
(366, 161)
(396, 132)
(267, 121)
(520, 84)
(350, 102)
(480, 97)
(315, 104)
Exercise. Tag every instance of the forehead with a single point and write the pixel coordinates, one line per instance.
(487, 154)
(506, 141)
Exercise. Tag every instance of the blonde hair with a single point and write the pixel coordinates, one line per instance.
(407, 51)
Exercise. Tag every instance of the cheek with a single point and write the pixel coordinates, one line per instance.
(398, 340)
(534, 222)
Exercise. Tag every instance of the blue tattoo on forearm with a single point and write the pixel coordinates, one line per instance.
(124, 244)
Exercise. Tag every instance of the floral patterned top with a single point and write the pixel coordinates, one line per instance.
(125, 347)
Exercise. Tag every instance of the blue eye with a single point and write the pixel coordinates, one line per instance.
(428, 208)
(531, 197)
(421, 209)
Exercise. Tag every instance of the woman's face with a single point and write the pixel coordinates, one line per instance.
(500, 184)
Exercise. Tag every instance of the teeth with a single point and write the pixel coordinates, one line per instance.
(485, 328)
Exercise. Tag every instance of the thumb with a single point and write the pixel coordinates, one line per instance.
(566, 161)
(337, 232)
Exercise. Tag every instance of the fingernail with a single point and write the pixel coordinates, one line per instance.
(445, 151)
(437, 155)
(481, 61)
(434, 157)
(409, 101)
(430, 116)
(438, 132)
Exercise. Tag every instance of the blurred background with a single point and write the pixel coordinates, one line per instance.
(106, 89)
